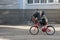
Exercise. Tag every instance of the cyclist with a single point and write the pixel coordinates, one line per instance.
(40, 16)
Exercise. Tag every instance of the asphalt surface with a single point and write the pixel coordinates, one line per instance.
(8, 32)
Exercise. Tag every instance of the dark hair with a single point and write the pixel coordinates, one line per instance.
(37, 9)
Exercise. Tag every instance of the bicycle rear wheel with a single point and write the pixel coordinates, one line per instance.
(34, 30)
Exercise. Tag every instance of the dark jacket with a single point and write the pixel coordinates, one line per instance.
(37, 14)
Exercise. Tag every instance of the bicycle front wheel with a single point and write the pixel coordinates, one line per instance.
(50, 30)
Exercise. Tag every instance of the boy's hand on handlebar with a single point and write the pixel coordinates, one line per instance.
(36, 18)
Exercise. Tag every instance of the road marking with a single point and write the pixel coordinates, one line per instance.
(27, 27)
(4, 39)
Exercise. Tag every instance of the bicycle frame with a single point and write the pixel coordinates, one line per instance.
(38, 25)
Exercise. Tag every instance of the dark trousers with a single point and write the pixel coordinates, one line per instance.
(43, 22)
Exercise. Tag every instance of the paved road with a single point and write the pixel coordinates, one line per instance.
(22, 33)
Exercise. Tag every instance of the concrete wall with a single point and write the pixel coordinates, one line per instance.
(22, 17)
(12, 4)
(9, 4)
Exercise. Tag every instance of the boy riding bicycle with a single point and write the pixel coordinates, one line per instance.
(40, 16)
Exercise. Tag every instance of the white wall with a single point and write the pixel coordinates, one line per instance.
(22, 4)
(55, 5)
(42, 6)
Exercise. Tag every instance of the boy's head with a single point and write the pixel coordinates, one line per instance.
(37, 10)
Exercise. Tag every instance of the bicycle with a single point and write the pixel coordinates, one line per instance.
(34, 30)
